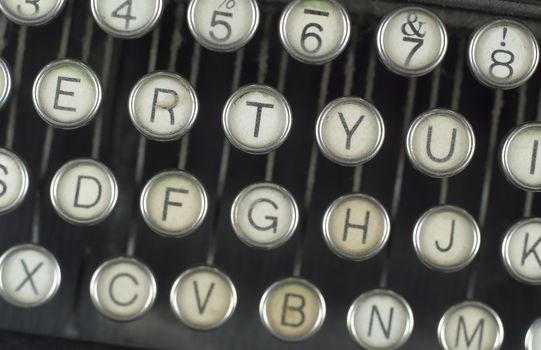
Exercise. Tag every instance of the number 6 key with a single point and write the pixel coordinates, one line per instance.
(503, 54)
(223, 25)
(314, 31)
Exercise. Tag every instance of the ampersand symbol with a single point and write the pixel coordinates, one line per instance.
(413, 29)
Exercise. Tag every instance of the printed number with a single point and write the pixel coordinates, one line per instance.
(34, 3)
(126, 16)
(418, 43)
(305, 34)
(219, 22)
(229, 4)
(502, 63)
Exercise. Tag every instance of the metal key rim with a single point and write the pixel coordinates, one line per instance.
(37, 21)
(228, 47)
(474, 67)
(6, 93)
(390, 64)
(173, 300)
(528, 340)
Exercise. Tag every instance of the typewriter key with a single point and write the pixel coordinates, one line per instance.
(163, 106)
(264, 215)
(356, 227)
(67, 94)
(256, 119)
(203, 298)
(503, 54)
(84, 192)
(520, 253)
(223, 25)
(127, 19)
(411, 41)
(123, 289)
(533, 336)
(446, 238)
(314, 31)
(13, 180)
(173, 203)
(5, 82)
(380, 319)
(468, 324)
(350, 131)
(292, 309)
(31, 12)
(29, 275)
(519, 157)
(440, 143)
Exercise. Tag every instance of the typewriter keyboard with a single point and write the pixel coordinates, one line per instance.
(242, 174)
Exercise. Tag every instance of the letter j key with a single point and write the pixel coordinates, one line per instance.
(84, 191)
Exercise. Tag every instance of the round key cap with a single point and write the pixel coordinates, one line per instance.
(411, 41)
(31, 12)
(533, 336)
(446, 238)
(67, 94)
(380, 319)
(503, 54)
(292, 309)
(123, 289)
(256, 119)
(440, 143)
(203, 298)
(29, 275)
(174, 203)
(127, 19)
(5, 82)
(314, 31)
(223, 25)
(356, 227)
(469, 325)
(264, 215)
(520, 251)
(13, 180)
(350, 131)
(163, 106)
(520, 159)
(84, 192)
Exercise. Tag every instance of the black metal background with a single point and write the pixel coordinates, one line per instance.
(81, 249)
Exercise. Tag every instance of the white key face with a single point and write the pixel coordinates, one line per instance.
(5, 82)
(29, 275)
(84, 192)
(521, 251)
(412, 41)
(223, 25)
(67, 94)
(127, 19)
(470, 325)
(256, 119)
(163, 106)
(446, 238)
(203, 298)
(356, 227)
(31, 12)
(380, 319)
(440, 143)
(13, 181)
(314, 31)
(292, 309)
(503, 54)
(533, 337)
(264, 215)
(350, 131)
(123, 289)
(520, 159)
(174, 203)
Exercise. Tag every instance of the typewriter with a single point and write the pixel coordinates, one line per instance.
(242, 174)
